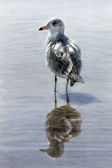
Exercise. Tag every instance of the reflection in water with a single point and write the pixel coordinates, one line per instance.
(62, 124)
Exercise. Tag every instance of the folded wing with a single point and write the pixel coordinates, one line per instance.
(64, 60)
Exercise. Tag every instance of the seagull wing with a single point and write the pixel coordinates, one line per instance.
(75, 55)
(64, 60)
(58, 59)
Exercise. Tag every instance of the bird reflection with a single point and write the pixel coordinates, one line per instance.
(62, 124)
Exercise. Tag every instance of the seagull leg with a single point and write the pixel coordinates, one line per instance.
(67, 91)
(67, 85)
(55, 83)
(67, 98)
(55, 100)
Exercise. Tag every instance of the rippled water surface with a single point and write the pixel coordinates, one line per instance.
(80, 134)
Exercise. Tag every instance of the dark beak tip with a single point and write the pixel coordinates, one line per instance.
(40, 29)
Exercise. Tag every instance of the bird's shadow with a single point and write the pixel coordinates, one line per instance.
(80, 98)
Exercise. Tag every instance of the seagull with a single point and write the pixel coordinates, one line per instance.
(63, 56)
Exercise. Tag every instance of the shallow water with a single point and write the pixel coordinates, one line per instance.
(26, 85)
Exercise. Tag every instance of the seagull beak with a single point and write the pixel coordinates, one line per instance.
(43, 28)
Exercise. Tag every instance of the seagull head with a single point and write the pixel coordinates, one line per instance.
(54, 25)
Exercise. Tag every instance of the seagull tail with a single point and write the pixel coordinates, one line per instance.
(75, 78)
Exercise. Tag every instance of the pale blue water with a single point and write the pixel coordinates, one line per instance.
(26, 85)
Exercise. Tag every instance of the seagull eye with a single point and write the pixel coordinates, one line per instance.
(54, 23)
